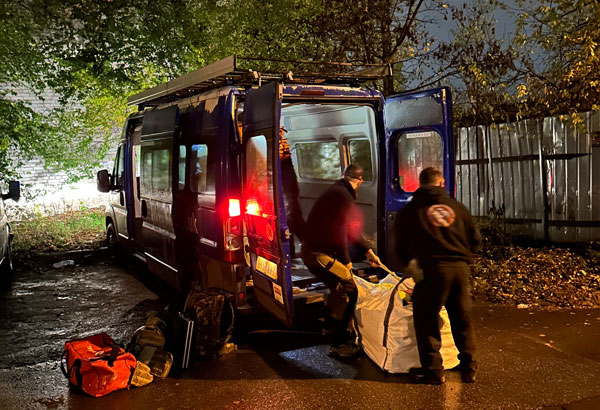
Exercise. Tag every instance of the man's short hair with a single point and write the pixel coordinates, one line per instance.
(430, 176)
(353, 171)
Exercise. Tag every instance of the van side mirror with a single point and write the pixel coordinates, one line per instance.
(14, 191)
(103, 181)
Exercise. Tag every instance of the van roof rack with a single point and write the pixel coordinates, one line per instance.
(228, 72)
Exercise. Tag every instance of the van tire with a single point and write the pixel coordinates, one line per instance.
(7, 267)
(112, 242)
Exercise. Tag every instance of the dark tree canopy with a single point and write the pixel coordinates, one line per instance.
(94, 53)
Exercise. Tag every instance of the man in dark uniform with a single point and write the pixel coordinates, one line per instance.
(438, 231)
(333, 225)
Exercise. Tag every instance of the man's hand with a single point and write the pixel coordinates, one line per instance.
(373, 259)
(349, 266)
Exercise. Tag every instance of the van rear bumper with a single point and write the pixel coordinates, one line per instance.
(230, 277)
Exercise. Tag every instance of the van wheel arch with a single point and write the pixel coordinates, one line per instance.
(112, 241)
(7, 267)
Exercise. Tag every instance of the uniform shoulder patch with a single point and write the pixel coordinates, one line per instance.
(441, 215)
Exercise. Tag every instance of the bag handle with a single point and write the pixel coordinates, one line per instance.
(64, 360)
(114, 353)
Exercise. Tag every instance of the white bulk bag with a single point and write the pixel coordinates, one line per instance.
(387, 333)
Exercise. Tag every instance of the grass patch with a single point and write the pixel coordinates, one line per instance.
(83, 229)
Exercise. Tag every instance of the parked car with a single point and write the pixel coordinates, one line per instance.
(6, 261)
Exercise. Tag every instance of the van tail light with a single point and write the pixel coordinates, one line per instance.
(232, 227)
(312, 92)
(234, 207)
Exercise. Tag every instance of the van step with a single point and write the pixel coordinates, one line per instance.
(301, 276)
(309, 296)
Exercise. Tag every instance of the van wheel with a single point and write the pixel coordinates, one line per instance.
(112, 242)
(7, 267)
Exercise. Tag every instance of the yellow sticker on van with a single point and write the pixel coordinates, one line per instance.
(266, 267)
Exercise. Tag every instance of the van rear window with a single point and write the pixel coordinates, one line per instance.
(360, 154)
(417, 151)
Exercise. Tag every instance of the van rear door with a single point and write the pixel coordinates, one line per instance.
(264, 208)
(418, 135)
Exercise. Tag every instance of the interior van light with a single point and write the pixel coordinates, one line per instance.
(234, 207)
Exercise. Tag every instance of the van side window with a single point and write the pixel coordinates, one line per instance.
(417, 151)
(318, 160)
(156, 171)
(137, 151)
(360, 154)
(182, 167)
(201, 179)
(117, 175)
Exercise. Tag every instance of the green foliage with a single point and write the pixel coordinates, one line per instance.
(82, 229)
(481, 65)
(548, 66)
(562, 38)
(93, 54)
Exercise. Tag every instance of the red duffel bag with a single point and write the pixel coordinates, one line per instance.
(97, 365)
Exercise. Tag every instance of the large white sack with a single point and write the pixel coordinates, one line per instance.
(399, 352)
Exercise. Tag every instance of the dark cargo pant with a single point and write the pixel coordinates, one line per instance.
(444, 284)
(341, 302)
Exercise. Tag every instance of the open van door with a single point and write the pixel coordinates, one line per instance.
(264, 215)
(418, 134)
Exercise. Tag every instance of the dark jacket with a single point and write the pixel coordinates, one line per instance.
(434, 227)
(335, 222)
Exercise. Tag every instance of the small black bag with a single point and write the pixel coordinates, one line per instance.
(213, 314)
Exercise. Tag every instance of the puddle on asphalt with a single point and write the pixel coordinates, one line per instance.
(22, 293)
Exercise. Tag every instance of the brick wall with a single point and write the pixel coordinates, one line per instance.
(46, 190)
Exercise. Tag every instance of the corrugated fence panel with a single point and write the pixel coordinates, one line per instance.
(579, 176)
(484, 171)
(497, 179)
(595, 172)
(499, 168)
(462, 177)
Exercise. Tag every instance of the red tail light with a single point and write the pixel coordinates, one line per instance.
(232, 226)
(234, 207)
(313, 92)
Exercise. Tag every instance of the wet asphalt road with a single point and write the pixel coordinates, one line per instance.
(529, 359)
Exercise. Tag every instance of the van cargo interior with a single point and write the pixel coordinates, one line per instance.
(324, 139)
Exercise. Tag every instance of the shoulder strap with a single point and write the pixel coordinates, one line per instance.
(386, 320)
